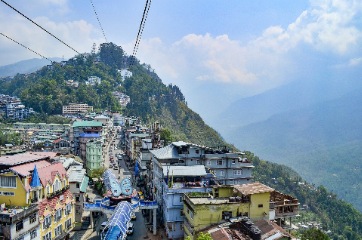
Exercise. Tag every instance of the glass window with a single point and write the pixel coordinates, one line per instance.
(6, 181)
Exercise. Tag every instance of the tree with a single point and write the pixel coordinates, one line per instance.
(314, 234)
(201, 236)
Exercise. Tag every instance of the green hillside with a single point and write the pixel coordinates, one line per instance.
(46, 91)
(321, 142)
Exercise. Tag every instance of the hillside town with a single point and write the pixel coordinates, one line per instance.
(108, 176)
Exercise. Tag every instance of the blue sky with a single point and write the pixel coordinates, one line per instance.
(215, 51)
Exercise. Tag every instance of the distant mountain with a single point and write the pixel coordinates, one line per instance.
(294, 95)
(46, 91)
(25, 66)
(321, 142)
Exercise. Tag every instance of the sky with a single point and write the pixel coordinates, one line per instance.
(215, 51)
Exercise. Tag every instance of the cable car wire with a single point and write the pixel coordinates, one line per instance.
(25, 47)
(99, 22)
(39, 26)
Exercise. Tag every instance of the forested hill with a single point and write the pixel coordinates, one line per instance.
(46, 91)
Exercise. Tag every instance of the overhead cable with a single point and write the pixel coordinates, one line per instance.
(39, 26)
(99, 22)
(140, 29)
(25, 47)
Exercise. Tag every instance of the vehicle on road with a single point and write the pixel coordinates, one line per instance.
(133, 216)
(130, 228)
(115, 168)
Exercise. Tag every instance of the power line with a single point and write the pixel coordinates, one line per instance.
(25, 47)
(99, 22)
(39, 26)
(140, 29)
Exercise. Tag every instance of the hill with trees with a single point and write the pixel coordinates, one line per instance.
(46, 91)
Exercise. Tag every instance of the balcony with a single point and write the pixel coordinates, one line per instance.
(57, 193)
(11, 215)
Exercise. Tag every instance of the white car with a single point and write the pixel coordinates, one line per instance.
(130, 228)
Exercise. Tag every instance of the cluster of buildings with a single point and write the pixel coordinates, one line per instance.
(197, 188)
(12, 108)
(202, 189)
(40, 194)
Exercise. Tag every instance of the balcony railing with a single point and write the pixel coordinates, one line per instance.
(57, 193)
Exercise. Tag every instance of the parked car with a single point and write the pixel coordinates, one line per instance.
(130, 228)
(133, 216)
(115, 167)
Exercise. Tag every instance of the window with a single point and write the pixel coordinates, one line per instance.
(48, 190)
(219, 162)
(77, 199)
(58, 230)
(56, 186)
(260, 205)
(68, 209)
(47, 222)
(238, 172)
(19, 225)
(58, 215)
(181, 212)
(33, 234)
(197, 151)
(181, 198)
(221, 173)
(68, 224)
(32, 218)
(226, 215)
(208, 162)
(233, 161)
(7, 182)
(77, 185)
(48, 236)
(197, 161)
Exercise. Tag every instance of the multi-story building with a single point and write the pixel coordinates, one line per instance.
(22, 193)
(81, 132)
(94, 156)
(228, 167)
(170, 183)
(75, 108)
(56, 210)
(78, 182)
(252, 200)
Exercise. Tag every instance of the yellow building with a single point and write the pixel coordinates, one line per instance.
(56, 211)
(28, 182)
(225, 202)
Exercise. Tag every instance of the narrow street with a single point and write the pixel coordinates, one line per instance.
(140, 224)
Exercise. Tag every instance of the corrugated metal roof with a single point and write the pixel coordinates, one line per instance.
(180, 144)
(195, 170)
(253, 188)
(25, 169)
(25, 158)
(87, 124)
(168, 152)
(76, 173)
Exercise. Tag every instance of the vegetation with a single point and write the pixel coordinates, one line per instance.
(151, 100)
(314, 234)
(10, 137)
(202, 236)
(344, 221)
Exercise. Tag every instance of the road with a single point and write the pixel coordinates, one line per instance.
(140, 229)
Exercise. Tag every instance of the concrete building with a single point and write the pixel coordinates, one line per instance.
(33, 190)
(170, 183)
(78, 182)
(252, 200)
(86, 130)
(75, 108)
(94, 156)
(228, 167)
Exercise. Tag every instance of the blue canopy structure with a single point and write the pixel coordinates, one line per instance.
(118, 223)
(35, 180)
(112, 183)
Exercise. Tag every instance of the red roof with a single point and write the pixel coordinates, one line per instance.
(47, 174)
(26, 157)
(25, 169)
(52, 202)
(57, 140)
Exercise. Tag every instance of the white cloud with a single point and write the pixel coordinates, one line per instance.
(328, 27)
